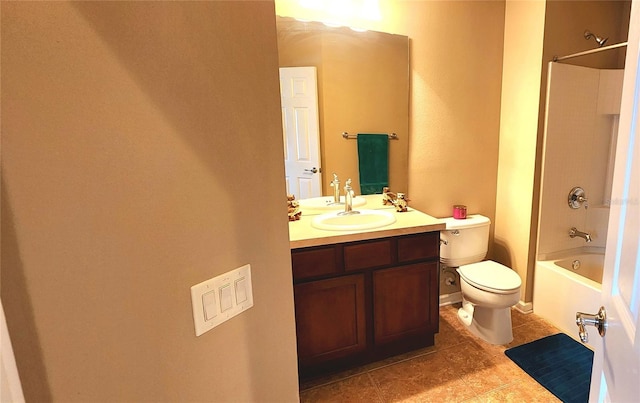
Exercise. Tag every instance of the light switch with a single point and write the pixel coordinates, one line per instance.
(226, 299)
(209, 305)
(241, 290)
(220, 298)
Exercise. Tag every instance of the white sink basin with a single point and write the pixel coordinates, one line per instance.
(364, 219)
(327, 203)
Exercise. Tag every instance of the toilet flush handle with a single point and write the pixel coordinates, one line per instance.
(454, 232)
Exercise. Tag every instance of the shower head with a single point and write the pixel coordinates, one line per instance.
(599, 40)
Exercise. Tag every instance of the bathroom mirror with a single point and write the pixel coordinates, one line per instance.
(363, 87)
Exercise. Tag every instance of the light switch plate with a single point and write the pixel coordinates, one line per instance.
(219, 299)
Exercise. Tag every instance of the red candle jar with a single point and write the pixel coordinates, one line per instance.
(459, 211)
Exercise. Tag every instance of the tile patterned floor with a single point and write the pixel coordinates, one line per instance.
(458, 368)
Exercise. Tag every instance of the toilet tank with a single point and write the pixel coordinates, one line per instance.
(465, 241)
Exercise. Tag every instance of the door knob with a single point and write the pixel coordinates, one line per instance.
(598, 320)
(312, 170)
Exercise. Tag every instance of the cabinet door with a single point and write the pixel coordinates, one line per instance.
(405, 302)
(330, 319)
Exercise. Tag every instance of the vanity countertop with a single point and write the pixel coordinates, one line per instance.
(302, 234)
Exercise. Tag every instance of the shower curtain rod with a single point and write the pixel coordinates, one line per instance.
(587, 52)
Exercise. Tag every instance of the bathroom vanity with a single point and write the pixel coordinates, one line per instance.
(361, 296)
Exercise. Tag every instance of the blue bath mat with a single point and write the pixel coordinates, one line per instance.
(559, 363)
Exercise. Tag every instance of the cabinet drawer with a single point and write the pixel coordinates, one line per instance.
(419, 247)
(314, 262)
(368, 254)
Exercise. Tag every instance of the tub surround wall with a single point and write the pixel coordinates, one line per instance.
(581, 110)
(564, 25)
(582, 104)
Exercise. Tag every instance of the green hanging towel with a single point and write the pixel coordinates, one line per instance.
(373, 162)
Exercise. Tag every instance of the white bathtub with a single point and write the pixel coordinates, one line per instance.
(560, 290)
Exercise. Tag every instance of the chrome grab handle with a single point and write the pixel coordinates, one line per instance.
(598, 320)
(312, 170)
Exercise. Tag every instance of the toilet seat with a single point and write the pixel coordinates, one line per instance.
(491, 276)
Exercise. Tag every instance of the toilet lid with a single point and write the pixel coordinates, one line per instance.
(491, 276)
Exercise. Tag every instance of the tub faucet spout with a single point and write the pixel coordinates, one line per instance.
(573, 232)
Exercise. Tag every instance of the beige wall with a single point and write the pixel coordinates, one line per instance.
(524, 32)
(456, 67)
(566, 21)
(132, 133)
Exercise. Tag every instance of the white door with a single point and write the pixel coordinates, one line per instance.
(616, 366)
(301, 129)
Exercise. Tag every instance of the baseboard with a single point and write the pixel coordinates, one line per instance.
(449, 299)
(524, 307)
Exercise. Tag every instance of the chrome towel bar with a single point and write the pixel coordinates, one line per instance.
(392, 136)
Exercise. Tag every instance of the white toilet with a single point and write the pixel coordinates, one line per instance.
(489, 289)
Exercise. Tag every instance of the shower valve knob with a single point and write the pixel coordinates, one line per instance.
(577, 198)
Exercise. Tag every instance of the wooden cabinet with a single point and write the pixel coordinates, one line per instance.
(358, 302)
(330, 319)
(402, 302)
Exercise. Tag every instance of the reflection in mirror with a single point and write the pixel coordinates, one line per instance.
(363, 87)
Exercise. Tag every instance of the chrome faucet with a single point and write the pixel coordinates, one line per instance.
(573, 232)
(335, 183)
(348, 199)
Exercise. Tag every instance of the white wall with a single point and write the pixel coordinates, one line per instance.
(580, 122)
